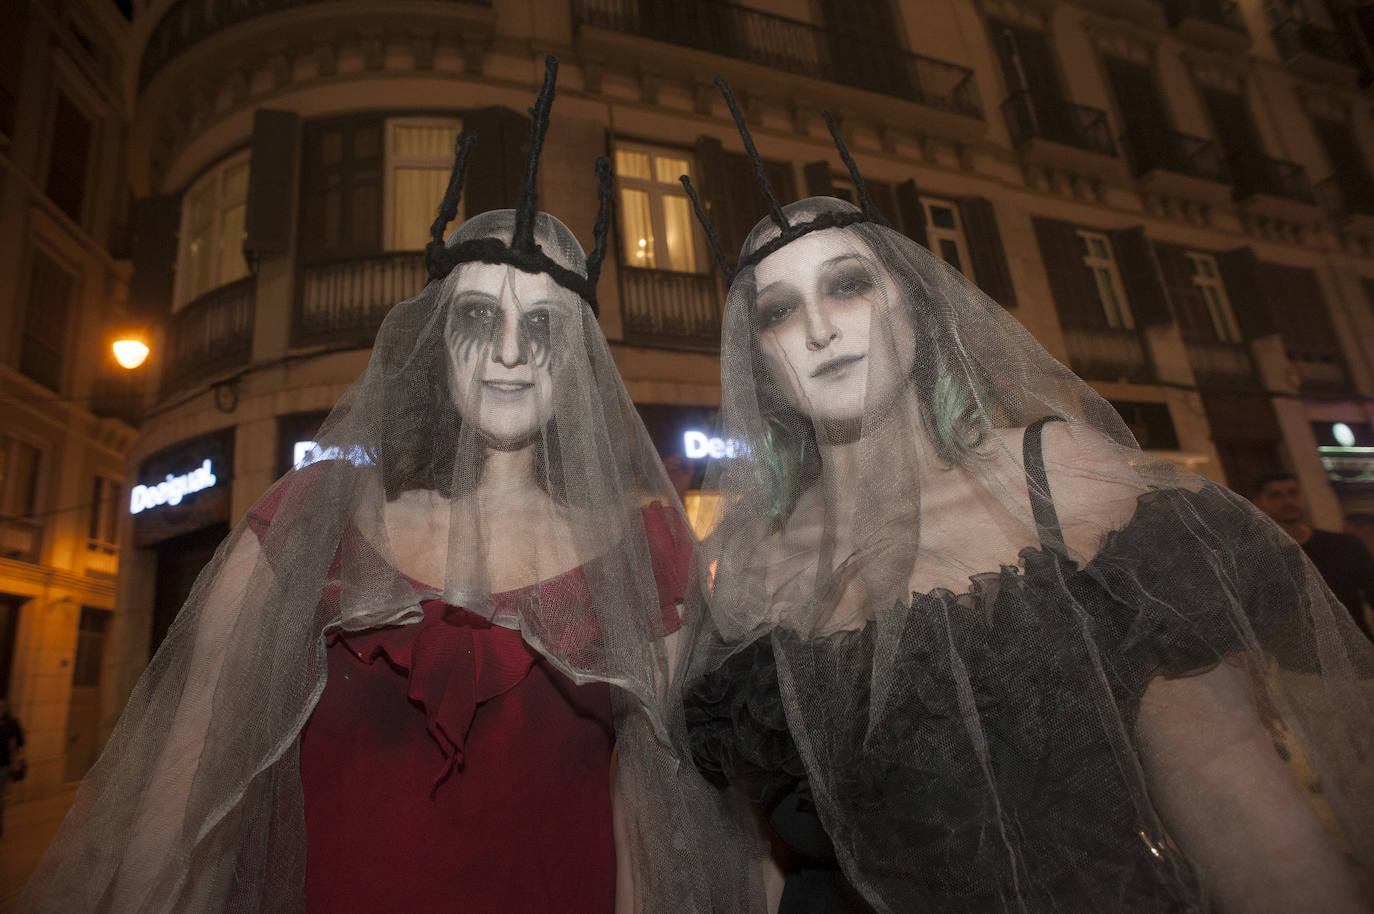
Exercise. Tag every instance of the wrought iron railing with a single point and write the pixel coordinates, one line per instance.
(1224, 13)
(1255, 173)
(1103, 354)
(1343, 199)
(20, 538)
(1319, 371)
(189, 22)
(830, 53)
(1294, 38)
(676, 310)
(1059, 121)
(1218, 363)
(1177, 152)
(345, 302)
(212, 334)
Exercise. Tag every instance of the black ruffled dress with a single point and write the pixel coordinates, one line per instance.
(1043, 651)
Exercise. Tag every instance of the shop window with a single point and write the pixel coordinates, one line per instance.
(69, 153)
(44, 338)
(658, 230)
(945, 232)
(9, 626)
(1096, 250)
(419, 160)
(1207, 279)
(212, 230)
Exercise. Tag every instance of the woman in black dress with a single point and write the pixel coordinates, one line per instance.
(972, 650)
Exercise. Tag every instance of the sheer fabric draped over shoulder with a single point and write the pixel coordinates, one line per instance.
(1004, 671)
(196, 803)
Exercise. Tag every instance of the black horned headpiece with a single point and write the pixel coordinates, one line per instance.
(789, 231)
(523, 252)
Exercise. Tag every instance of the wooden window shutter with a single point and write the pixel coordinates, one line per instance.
(341, 188)
(496, 165)
(1140, 276)
(1189, 307)
(157, 221)
(912, 214)
(986, 254)
(271, 183)
(1251, 299)
(1075, 295)
(818, 183)
(44, 339)
(1302, 318)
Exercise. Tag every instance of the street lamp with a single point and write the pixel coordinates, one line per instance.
(130, 352)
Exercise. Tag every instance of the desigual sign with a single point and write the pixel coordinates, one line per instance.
(172, 489)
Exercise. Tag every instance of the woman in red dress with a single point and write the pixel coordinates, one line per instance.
(399, 684)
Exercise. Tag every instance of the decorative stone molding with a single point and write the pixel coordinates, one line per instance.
(1320, 102)
(1117, 39)
(1034, 14)
(1215, 71)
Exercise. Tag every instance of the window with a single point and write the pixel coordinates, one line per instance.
(1097, 257)
(212, 234)
(1213, 292)
(419, 160)
(658, 230)
(105, 504)
(19, 464)
(945, 232)
(44, 340)
(68, 156)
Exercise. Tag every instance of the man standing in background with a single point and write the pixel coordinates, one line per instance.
(1344, 562)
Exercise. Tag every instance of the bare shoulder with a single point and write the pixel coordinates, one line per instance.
(1092, 480)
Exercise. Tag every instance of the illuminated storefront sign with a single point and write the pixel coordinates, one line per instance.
(1347, 451)
(304, 453)
(172, 489)
(699, 445)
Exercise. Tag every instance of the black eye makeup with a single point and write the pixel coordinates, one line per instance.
(477, 322)
(776, 308)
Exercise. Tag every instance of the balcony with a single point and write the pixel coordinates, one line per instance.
(1213, 24)
(1169, 162)
(1319, 372)
(670, 310)
(1218, 364)
(1265, 186)
(943, 95)
(20, 538)
(1310, 50)
(1056, 133)
(1350, 203)
(1104, 354)
(345, 302)
(211, 335)
(189, 22)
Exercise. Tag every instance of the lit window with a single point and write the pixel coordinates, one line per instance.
(658, 230)
(419, 160)
(1213, 292)
(945, 231)
(1097, 257)
(212, 230)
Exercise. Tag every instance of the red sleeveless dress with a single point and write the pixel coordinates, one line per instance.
(449, 767)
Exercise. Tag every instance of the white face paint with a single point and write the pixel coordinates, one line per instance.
(503, 343)
(835, 335)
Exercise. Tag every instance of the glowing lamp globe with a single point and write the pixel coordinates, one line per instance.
(130, 353)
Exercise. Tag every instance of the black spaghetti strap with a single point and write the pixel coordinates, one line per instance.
(1038, 485)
